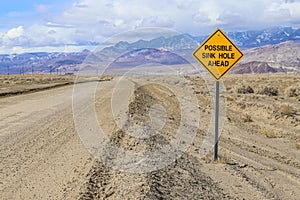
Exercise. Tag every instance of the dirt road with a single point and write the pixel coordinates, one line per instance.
(42, 156)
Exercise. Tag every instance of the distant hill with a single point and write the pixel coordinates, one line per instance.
(253, 67)
(281, 57)
(148, 55)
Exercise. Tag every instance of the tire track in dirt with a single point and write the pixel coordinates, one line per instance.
(271, 175)
(268, 167)
(182, 179)
(263, 154)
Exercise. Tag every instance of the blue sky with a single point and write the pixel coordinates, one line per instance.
(63, 25)
(26, 12)
(29, 5)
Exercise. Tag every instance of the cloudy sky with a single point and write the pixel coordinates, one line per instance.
(67, 25)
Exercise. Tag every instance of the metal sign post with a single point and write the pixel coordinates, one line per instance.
(218, 54)
(216, 141)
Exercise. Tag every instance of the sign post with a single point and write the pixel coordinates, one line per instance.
(216, 140)
(218, 54)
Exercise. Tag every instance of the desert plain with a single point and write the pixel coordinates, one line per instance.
(43, 156)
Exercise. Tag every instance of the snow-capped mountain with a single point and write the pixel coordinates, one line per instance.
(41, 62)
(160, 49)
(252, 39)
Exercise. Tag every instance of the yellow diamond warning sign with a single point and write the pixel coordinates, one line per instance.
(218, 54)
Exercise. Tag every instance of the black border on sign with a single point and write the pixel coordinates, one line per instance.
(203, 43)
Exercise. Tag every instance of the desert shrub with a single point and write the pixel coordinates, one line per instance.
(292, 91)
(245, 89)
(286, 110)
(247, 118)
(242, 105)
(268, 133)
(268, 90)
(297, 145)
(105, 78)
(229, 98)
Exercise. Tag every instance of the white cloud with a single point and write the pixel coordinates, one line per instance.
(294, 11)
(38, 36)
(94, 20)
(15, 32)
(13, 37)
(193, 16)
(42, 8)
(156, 21)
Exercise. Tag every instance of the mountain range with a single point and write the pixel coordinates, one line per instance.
(269, 50)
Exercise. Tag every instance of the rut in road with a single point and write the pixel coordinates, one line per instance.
(182, 179)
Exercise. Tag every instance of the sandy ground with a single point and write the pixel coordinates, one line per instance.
(20, 84)
(42, 156)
